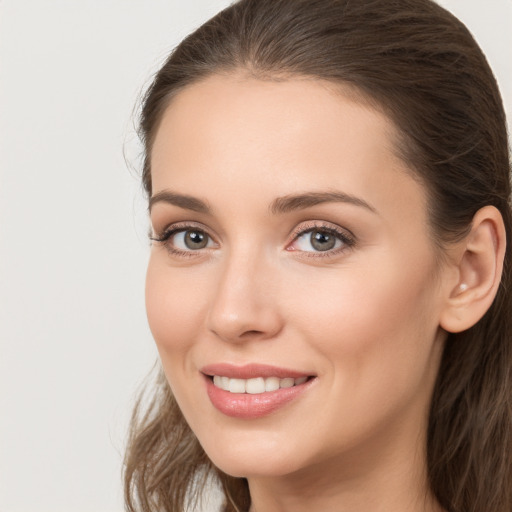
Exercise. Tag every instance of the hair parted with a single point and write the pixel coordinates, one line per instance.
(420, 65)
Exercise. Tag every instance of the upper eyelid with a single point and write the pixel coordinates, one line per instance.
(172, 229)
(348, 239)
(182, 226)
(299, 230)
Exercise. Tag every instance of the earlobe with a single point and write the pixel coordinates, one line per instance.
(480, 265)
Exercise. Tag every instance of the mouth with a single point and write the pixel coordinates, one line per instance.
(256, 385)
(253, 391)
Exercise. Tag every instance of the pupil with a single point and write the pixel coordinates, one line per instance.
(322, 241)
(195, 240)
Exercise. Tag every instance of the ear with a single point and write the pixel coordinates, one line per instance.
(479, 261)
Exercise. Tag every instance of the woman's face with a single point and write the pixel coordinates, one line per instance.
(293, 250)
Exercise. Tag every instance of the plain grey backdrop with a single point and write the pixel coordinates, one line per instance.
(74, 345)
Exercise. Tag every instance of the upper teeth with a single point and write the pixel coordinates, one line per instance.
(256, 385)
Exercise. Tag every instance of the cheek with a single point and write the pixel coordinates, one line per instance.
(380, 317)
(375, 331)
(173, 306)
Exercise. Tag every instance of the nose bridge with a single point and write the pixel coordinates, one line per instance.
(244, 303)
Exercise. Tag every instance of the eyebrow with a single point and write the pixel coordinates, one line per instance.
(291, 203)
(180, 200)
(280, 205)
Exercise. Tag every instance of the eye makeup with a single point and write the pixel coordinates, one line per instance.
(312, 239)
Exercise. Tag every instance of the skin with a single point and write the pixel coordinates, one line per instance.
(363, 318)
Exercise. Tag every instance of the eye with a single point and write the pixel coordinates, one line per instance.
(321, 239)
(317, 240)
(190, 240)
(185, 239)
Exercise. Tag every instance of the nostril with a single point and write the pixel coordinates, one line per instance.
(251, 334)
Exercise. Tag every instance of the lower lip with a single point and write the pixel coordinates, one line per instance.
(247, 406)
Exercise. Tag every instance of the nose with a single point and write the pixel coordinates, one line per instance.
(245, 302)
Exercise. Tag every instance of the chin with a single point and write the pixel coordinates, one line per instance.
(253, 469)
(254, 460)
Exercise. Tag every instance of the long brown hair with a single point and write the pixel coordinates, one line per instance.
(420, 65)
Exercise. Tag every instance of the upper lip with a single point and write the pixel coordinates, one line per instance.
(250, 371)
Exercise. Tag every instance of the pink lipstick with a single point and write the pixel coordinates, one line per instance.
(253, 391)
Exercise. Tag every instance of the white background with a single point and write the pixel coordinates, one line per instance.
(74, 344)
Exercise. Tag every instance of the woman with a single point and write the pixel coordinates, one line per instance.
(328, 286)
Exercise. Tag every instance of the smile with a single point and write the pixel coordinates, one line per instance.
(256, 385)
(253, 391)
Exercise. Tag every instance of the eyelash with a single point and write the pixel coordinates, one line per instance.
(174, 229)
(347, 239)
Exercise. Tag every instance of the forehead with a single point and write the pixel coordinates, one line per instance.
(278, 137)
(253, 102)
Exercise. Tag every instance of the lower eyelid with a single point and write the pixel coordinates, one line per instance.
(344, 242)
